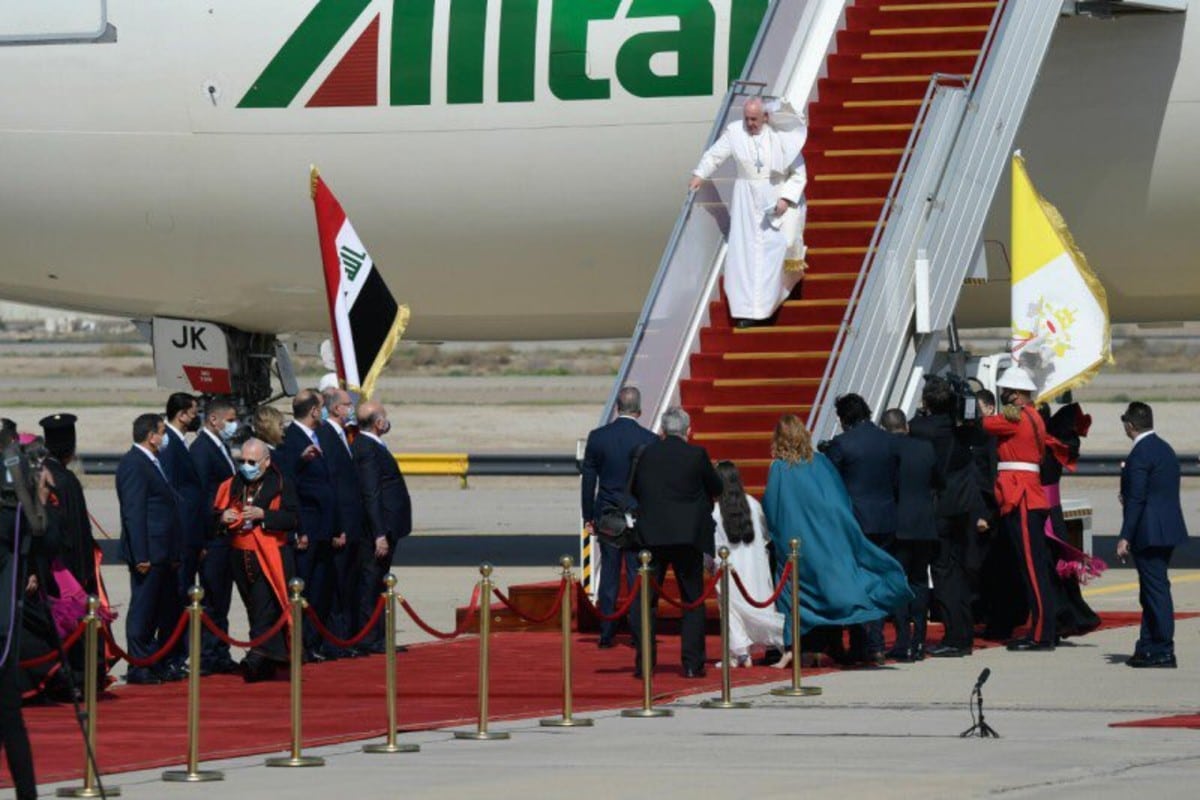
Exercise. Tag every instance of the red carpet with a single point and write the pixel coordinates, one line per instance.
(1177, 721)
(145, 726)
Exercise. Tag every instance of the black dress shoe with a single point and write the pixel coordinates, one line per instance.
(1153, 662)
(227, 666)
(637, 673)
(948, 651)
(1028, 646)
(899, 654)
(918, 652)
(314, 657)
(694, 672)
(606, 644)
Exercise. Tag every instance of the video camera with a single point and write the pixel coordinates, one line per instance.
(19, 477)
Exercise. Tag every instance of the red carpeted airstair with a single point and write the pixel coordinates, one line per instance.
(742, 380)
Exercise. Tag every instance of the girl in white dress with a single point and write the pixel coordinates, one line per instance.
(742, 527)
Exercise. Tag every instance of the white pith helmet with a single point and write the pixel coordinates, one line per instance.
(1016, 378)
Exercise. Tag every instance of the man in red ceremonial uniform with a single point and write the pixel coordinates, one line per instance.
(256, 508)
(1021, 441)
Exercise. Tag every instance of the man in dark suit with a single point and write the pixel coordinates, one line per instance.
(675, 485)
(916, 532)
(959, 508)
(348, 541)
(1152, 527)
(865, 457)
(150, 545)
(183, 417)
(304, 464)
(214, 465)
(387, 507)
(606, 461)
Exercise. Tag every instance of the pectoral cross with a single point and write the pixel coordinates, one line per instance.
(758, 164)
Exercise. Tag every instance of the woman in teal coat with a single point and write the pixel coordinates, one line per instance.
(844, 578)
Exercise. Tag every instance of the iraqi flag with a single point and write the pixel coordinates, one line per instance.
(1060, 330)
(367, 323)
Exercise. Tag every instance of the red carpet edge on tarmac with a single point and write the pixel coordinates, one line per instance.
(144, 727)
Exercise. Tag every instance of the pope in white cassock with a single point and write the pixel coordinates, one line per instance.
(765, 257)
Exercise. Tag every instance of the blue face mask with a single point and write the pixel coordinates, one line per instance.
(250, 472)
(229, 429)
(324, 414)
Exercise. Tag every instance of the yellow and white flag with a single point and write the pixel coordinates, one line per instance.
(1060, 330)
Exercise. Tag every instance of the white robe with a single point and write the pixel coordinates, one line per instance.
(749, 626)
(770, 167)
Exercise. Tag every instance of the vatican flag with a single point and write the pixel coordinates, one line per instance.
(1060, 330)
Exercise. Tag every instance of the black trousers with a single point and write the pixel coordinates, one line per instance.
(262, 606)
(1025, 528)
(345, 570)
(371, 572)
(1157, 636)
(611, 561)
(688, 562)
(951, 585)
(14, 739)
(153, 610)
(914, 556)
(867, 639)
(217, 581)
(313, 565)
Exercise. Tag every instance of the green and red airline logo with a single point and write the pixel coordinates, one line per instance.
(353, 81)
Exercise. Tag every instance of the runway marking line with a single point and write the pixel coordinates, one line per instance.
(1124, 587)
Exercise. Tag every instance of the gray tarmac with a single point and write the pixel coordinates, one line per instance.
(888, 733)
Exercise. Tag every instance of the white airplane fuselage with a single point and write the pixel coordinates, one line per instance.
(514, 167)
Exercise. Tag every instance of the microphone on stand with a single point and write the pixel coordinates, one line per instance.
(983, 676)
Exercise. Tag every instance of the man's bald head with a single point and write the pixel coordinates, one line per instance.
(754, 115)
(372, 417)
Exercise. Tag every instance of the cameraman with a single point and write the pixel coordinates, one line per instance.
(22, 515)
(938, 425)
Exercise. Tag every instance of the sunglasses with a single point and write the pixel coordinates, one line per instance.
(248, 461)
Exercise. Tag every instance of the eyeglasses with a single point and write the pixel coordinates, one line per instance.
(249, 461)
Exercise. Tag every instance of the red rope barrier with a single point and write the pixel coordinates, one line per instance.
(620, 612)
(558, 601)
(253, 643)
(151, 660)
(332, 638)
(47, 658)
(472, 609)
(708, 592)
(770, 601)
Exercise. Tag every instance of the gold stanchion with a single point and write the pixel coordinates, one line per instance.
(796, 690)
(567, 721)
(389, 654)
(193, 773)
(646, 639)
(485, 630)
(725, 700)
(296, 759)
(91, 666)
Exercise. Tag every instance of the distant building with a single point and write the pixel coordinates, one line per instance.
(19, 316)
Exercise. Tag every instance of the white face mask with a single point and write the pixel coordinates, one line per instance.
(386, 428)
(229, 429)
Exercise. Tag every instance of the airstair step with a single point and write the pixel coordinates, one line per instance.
(748, 391)
(842, 209)
(852, 42)
(779, 338)
(829, 187)
(820, 311)
(716, 419)
(818, 286)
(846, 89)
(734, 448)
(822, 168)
(845, 237)
(807, 364)
(854, 136)
(902, 64)
(831, 113)
(865, 15)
